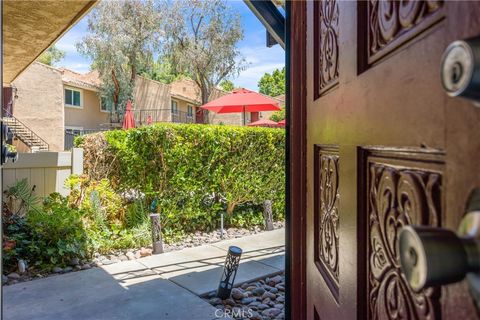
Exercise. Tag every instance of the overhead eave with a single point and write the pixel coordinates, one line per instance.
(31, 27)
(268, 14)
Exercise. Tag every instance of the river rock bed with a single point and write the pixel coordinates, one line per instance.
(259, 300)
(192, 240)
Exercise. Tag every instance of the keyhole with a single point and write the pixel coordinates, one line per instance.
(412, 257)
(457, 72)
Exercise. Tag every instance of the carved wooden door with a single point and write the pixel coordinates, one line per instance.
(386, 147)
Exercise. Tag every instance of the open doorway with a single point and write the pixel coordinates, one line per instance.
(100, 243)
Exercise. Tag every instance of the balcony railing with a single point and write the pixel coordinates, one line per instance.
(150, 116)
(70, 135)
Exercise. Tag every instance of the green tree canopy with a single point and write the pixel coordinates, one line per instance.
(273, 84)
(227, 85)
(51, 56)
(278, 115)
(122, 35)
(201, 40)
(160, 70)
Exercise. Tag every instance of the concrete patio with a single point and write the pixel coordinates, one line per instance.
(163, 286)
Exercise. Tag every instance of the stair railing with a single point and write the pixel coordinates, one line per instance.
(31, 134)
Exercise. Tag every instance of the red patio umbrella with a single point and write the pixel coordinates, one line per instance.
(263, 123)
(128, 119)
(241, 101)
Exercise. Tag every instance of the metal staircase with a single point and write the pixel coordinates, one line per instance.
(25, 134)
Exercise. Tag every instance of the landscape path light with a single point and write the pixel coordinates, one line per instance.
(229, 273)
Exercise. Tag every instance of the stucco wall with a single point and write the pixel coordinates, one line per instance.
(151, 94)
(235, 119)
(89, 116)
(187, 89)
(183, 105)
(40, 103)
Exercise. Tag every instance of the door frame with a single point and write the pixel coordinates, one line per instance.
(296, 169)
(1, 165)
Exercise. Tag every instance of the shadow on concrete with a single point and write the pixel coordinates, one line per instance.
(131, 290)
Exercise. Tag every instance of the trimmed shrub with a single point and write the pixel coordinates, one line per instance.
(194, 171)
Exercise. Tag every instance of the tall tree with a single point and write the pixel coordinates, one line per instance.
(52, 56)
(122, 34)
(200, 39)
(160, 70)
(272, 84)
(227, 85)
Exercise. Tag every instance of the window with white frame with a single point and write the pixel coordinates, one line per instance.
(190, 111)
(174, 107)
(73, 98)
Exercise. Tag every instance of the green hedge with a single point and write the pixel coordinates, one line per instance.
(195, 171)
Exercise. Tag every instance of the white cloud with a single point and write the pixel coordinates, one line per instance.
(68, 47)
(261, 60)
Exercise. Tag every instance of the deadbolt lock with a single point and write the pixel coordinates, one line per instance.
(436, 256)
(460, 69)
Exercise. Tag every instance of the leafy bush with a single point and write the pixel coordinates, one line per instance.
(57, 233)
(195, 171)
(16, 239)
(278, 115)
(21, 199)
(97, 198)
(109, 222)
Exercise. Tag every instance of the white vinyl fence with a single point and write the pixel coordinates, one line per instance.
(46, 172)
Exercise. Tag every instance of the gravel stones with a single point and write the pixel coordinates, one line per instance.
(248, 290)
(57, 270)
(259, 300)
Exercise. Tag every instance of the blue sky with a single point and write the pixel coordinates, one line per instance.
(260, 59)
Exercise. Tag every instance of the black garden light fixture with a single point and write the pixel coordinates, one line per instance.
(229, 272)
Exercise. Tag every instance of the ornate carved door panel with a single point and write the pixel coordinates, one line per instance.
(386, 148)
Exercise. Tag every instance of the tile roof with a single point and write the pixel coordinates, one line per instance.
(87, 80)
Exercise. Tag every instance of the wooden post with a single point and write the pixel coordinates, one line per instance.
(267, 214)
(157, 242)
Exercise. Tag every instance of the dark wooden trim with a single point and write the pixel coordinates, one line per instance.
(406, 160)
(296, 160)
(318, 21)
(362, 37)
(331, 283)
(316, 50)
(401, 40)
(362, 299)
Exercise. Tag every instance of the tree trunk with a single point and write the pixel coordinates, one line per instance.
(117, 89)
